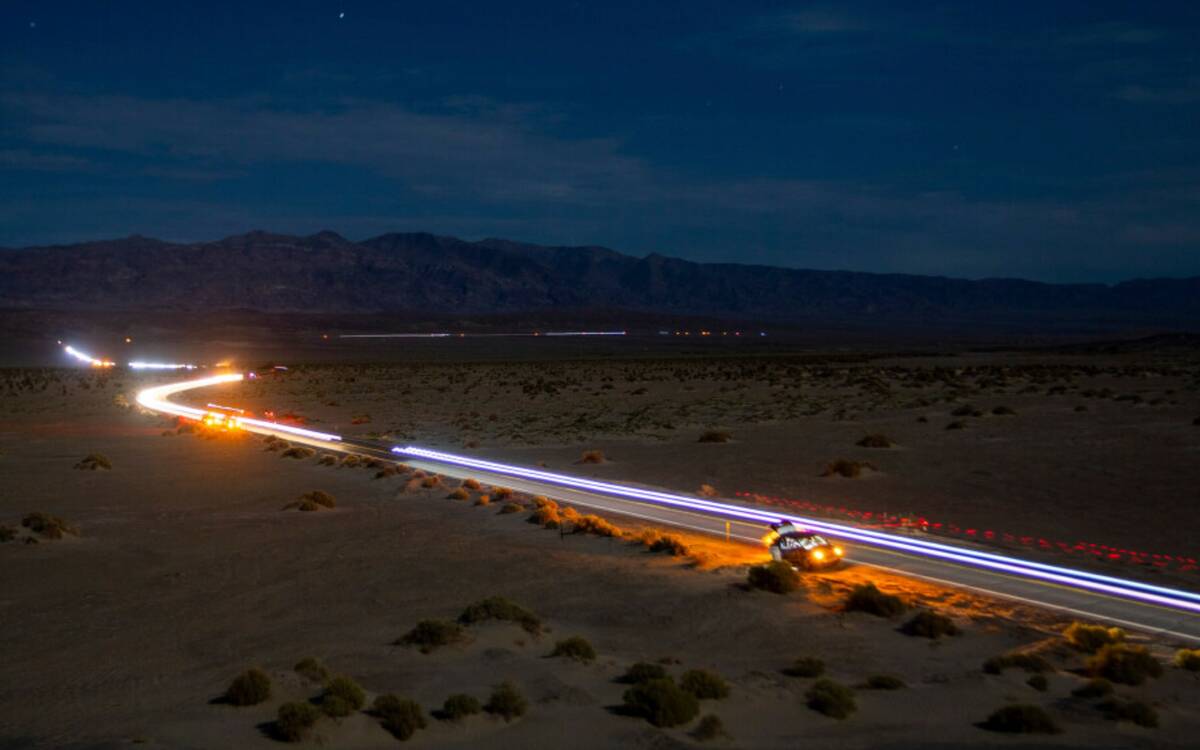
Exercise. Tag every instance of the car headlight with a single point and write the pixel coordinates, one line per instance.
(818, 554)
(838, 551)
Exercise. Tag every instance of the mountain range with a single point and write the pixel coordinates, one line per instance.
(418, 272)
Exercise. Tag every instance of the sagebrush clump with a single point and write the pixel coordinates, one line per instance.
(831, 699)
(1128, 665)
(399, 716)
(1028, 662)
(506, 702)
(575, 648)
(1091, 638)
(312, 669)
(805, 666)
(1020, 719)
(704, 684)
(500, 608)
(428, 635)
(1137, 712)
(709, 728)
(48, 526)
(930, 624)
(1188, 659)
(776, 576)
(459, 706)
(643, 671)
(661, 702)
(93, 461)
(249, 688)
(294, 720)
(846, 468)
(868, 598)
(342, 697)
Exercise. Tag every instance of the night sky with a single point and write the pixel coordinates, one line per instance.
(1050, 140)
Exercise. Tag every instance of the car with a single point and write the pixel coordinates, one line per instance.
(801, 548)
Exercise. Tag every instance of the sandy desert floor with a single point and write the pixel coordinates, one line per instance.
(186, 570)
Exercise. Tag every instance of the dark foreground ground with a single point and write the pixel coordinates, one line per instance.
(186, 570)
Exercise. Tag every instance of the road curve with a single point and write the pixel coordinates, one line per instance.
(1170, 613)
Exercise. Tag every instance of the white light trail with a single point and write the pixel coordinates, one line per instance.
(159, 366)
(1077, 578)
(87, 358)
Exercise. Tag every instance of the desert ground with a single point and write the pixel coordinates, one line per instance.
(181, 567)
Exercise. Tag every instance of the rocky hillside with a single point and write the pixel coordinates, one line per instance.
(326, 273)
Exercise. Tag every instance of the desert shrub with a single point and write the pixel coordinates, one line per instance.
(7, 533)
(884, 682)
(342, 697)
(1020, 719)
(704, 684)
(709, 728)
(546, 516)
(643, 671)
(320, 497)
(459, 706)
(93, 461)
(1128, 665)
(658, 542)
(511, 508)
(458, 494)
(299, 452)
(707, 490)
(867, 598)
(431, 481)
(1097, 687)
(506, 702)
(428, 635)
(327, 460)
(1137, 712)
(249, 688)
(483, 500)
(575, 648)
(661, 702)
(400, 716)
(714, 436)
(929, 624)
(502, 493)
(1038, 682)
(385, 472)
(294, 720)
(875, 440)
(776, 576)
(1004, 411)
(1090, 638)
(471, 484)
(352, 461)
(1017, 660)
(844, 467)
(541, 501)
(805, 666)
(592, 457)
(966, 410)
(596, 525)
(956, 426)
(47, 525)
(312, 669)
(830, 698)
(1188, 659)
(500, 608)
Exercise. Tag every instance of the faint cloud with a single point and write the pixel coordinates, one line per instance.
(42, 161)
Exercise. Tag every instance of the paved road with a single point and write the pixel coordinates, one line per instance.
(1172, 614)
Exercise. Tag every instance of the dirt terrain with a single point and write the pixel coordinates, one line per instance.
(185, 569)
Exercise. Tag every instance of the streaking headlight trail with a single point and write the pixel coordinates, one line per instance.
(156, 399)
(1051, 573)
(159, 366)
(87, 358)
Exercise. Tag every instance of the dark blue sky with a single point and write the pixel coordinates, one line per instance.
(1058, 141)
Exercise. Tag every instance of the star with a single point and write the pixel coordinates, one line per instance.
(33, 24)
(342, 14)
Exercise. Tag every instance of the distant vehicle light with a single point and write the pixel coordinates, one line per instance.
(818, 555)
